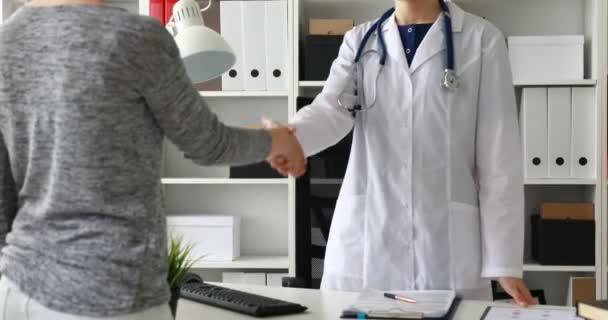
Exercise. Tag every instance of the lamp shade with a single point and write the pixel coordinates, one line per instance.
(206, 55)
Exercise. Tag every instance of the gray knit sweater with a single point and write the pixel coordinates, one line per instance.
(87, 94)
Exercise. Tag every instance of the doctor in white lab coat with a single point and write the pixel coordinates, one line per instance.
(433, 193)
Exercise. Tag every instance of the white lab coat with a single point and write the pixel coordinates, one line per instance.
(433, 193)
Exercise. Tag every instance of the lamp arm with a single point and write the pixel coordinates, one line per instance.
(208, 6)
(171, 26)
(172, 20)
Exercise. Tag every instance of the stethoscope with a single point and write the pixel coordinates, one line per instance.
(450, 79)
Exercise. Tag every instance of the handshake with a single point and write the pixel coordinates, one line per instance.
(286, 156)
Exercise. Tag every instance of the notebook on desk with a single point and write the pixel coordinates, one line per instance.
(428, 305)
(506, 312)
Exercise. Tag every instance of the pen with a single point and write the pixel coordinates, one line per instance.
(400, 298)
(354, 315)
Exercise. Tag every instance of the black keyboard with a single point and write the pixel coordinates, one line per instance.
(238, 301)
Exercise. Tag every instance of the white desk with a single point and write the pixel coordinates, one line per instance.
(322, 305)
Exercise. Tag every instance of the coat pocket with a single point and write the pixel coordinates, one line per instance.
(465, 240)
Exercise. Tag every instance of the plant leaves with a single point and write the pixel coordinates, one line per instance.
(179, 264)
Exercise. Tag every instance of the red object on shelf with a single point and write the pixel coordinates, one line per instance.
(169, 9)
(157, 10)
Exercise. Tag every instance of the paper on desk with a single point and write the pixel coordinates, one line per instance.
(432, 304)
(533, 313)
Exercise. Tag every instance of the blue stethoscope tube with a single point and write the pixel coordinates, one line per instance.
(377, 28)
(448, 36)
(450, 79)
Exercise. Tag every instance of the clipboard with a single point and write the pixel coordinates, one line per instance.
(417, 312)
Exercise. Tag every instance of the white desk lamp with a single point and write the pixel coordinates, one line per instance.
(205, 53)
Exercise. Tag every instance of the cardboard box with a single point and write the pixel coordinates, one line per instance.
(567, 210)
(564, 242)
(330, 27)
(581, 289)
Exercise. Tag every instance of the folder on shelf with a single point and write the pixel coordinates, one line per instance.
(212, 21)
(559, 124)
(583, 132)
(231, 21)
(253, 46)
(276, 45)
(169, 9)
(534, 132)
(157, 10)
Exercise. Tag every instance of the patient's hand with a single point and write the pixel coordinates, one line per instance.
(286, 155)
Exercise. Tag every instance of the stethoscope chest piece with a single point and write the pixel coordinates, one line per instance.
(450, 80)
(361, 102)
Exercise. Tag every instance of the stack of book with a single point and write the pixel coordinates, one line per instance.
(593, 310)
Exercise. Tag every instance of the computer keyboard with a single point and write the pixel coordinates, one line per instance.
(238, 301)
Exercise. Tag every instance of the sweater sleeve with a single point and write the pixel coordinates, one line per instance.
(184, 116)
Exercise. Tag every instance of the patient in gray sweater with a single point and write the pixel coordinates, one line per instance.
(87, 93)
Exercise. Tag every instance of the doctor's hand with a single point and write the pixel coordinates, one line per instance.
(286, 155)
(518, 290)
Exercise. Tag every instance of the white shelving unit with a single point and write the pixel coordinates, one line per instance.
(245, 94)
(248, 262)
(573, 83)
(535, 267)
(266, 206)
(223, 181)
(560, 181)
(312, 84)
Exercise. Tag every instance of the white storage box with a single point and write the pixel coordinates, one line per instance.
(215, 238)
(547, 58)
(275, 279)
(258, 279)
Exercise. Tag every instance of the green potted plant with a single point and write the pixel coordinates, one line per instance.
(179, 266)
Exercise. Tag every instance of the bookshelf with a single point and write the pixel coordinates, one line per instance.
(266, 206)
(245, 94)
(248, 262)
(223, 181)
(572, 83)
